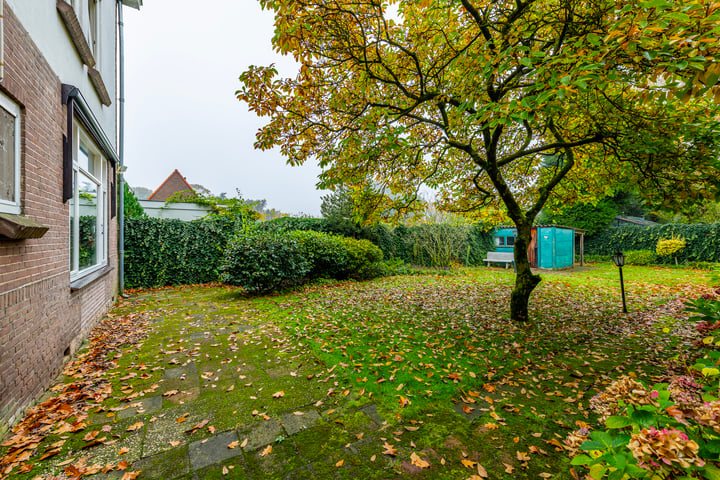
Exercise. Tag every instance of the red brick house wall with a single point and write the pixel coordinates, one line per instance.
(41, 319)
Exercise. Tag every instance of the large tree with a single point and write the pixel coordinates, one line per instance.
(495, 104)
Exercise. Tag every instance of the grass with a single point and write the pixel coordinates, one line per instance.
(436, 356)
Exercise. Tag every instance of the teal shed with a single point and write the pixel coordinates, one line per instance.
(552, 247)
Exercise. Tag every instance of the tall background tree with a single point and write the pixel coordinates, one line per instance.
(497, 105)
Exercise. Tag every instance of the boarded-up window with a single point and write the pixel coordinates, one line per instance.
(9, 156)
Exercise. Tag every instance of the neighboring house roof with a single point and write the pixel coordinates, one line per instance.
(173, 184)
(634, 221)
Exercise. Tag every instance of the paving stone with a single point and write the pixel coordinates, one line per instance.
(178, 372)
(295, 423)
(371, 411)
(164, 466)
(146, 405)
(262, 434)
(213, 450)
(165, 429)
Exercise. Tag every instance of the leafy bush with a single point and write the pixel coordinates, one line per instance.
(640, 257)
(702, 241)
(589, 258)
(263, 262)
(326, 253)
(585, 216)
(669, 247)
(161, 252)
(667, 431)
(362, 255)
(289, 224)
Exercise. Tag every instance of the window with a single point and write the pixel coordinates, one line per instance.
(9, 156)
(88, 211)
(504, 241)
(94, 30)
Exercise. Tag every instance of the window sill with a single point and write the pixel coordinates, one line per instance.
(99, 86)
(89, 278)
(18, 227)
(72, 24)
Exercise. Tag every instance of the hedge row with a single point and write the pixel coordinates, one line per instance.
(162, 252)
(403, 242)
(702, 241)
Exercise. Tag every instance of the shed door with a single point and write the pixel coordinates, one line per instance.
(564, 247)
(547, 247)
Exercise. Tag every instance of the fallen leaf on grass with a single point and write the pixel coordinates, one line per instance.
(278, 394)
(522, 456)
(244, 443)
(482, 473)
(468, 463)
(225, 471)
(340, 463)
(183, 418)
(508, 468)
(174, 444)
(123, 451)
(122, 465)
(131, 475)
(372, 459)
(266, 451)
(418, 462)
(389, 450)
(233, 444)
(404, 402)
(170, 393)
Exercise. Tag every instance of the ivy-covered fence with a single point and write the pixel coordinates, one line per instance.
(702, 241)
(162, 252)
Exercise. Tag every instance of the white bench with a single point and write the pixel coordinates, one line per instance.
(500, 257)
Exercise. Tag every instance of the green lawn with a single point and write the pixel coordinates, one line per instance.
(456, 382)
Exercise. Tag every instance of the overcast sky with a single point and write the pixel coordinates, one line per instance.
(182, 63)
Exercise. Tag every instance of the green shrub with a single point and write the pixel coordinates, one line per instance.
(362, 254)
(263, 262)
(640, 257)
(326, 253)
(589, 258)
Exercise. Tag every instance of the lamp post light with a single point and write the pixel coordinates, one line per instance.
(619, 259)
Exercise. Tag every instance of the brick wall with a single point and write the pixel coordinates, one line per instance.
(40, 318)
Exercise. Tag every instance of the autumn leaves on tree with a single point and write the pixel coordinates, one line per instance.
(496, 105)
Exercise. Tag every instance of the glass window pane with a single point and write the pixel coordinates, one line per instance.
(84, 159)
(7, 156)
(510, 241)
(73, 262)
(499, 241)
(87, 239)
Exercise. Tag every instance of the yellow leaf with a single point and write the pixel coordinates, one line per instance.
(135, 426)
(266, 451)
(244, 443)
(468, 463)
(233, 444)
(418, 462)
(340, 463)
(508, 468)
(278, 394)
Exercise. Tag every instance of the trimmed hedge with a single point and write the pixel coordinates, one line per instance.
(161, 252)
(263, 262)
(702, 241)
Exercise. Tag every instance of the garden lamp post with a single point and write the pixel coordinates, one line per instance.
(619, 259)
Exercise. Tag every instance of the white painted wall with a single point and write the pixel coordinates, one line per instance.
(42, 21)
(180, 211)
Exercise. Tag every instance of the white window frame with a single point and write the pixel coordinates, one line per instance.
(81, 139)
(13, 109)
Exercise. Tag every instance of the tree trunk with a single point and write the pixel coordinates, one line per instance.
(525, 281)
